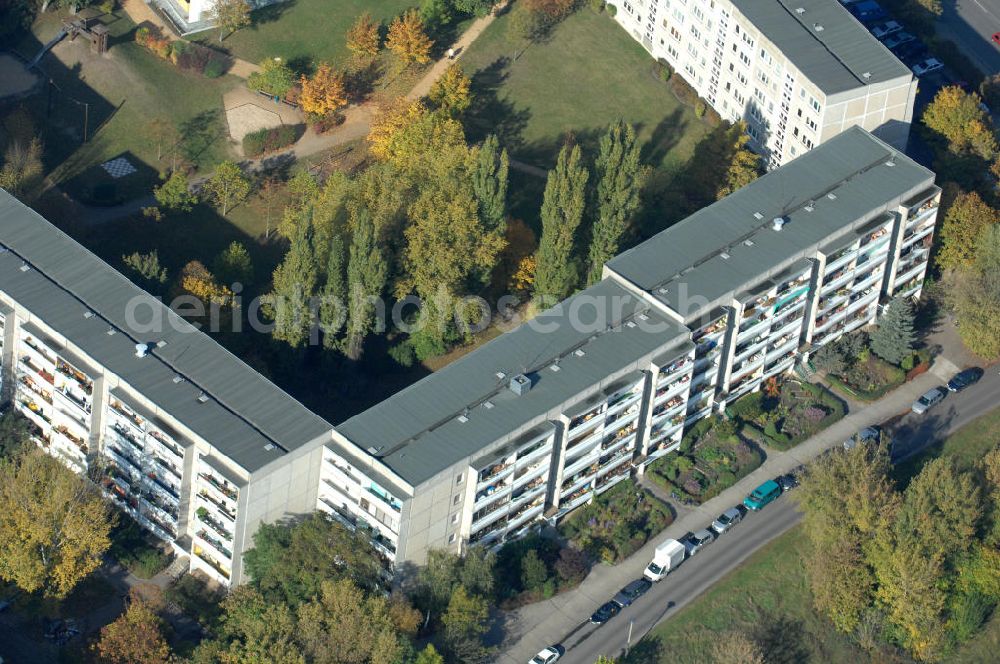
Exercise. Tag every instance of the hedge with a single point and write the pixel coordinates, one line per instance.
(184, 54)
(262, 141)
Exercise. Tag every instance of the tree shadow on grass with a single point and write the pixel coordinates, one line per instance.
(491, 114)
(200, 132)
(783, 639)
(270, 13)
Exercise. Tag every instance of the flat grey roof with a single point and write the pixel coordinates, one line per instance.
(244, 414)
(730, 245)
(417, 432)
(835, 58)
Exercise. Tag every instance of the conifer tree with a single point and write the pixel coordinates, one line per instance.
(295, 283)
(367, 272)
(489, 184)
(620, 178)
(562, 211)
(893, 339)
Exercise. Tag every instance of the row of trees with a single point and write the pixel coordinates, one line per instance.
(917, 568)
(428, 218)
(967, 156)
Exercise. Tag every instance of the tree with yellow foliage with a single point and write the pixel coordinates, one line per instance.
(363, 38)
(54, 525)
(135, 637)
(408, 39)
(452, 93)
(324, 93)
(405, 133)
(198, 281)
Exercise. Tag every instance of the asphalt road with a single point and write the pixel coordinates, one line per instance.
(971, 24)
(910, 434)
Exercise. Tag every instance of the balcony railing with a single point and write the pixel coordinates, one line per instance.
(218, 505)
(220, 529)
(76, 376)
(219, 485)
(211, 562)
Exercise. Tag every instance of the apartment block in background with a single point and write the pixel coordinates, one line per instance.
(798, 72)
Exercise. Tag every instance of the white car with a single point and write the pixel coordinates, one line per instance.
(929, 398)
(548, 655)
(926, 66)
(882, 30)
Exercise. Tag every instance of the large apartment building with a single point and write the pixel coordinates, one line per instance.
(798, 72)
(200, 449)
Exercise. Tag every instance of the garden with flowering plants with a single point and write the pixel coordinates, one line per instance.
(783, 414)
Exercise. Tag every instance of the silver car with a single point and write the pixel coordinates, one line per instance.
(727, 520)
(695, 542)
(930, 398)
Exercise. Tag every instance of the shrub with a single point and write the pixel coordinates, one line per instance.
(611, 9)
(216, 66)
(268, 140)
(147, 563)
(699, 109)
(748, 408)
(403, 354)
(327, 122)
(152, 213)
(597, 5)
(684, 92)
(107, 6)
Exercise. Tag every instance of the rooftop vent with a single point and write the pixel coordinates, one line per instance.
(141, 350)
(202, 398)
(810, 206)
(866, 75)
(800, 10)
(579, 352)
(88, 314)
(555, 366)
(778, 223)
(374, 450)
(269, 447)
(110, 331)
(25, 267)
(161, 343)
(817, 27)
(748, 242)
(724, 255)
(520, 384)
(178, 380)
(758, 216)
(890, 163)
(488, 405)
(832, 196)
(643, 316)
(630, 324)
(500, 375)
(464, 417)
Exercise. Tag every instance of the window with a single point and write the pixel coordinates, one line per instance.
(451, 538)
(458, 480)
(454, 518)
(457, 499)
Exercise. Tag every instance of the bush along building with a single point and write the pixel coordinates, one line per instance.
(200, 449)
(798, 72)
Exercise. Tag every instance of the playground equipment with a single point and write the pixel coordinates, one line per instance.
(98, 36)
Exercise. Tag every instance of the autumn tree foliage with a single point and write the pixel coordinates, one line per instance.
(135, 637)
(408, 39)
(323, 93)
(363, 38)
(54, 525)
(555, 9)
(452, 92)
(966, 218)
(197, 280)
(227, 187)
(558, 267)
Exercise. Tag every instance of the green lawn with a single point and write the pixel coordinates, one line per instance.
(303, 30)
(771, 589)
(587, 74)
(118, 95)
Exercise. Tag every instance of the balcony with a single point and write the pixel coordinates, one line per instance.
(125, 460)
(495, 473)
(219, 485)
(79, 408)
(614, 477)
(918, 233)
(131, 419)
(163, 510)
(710, 331)
(64, 433)
(587, 418)
(574, 500)
(45, 359)
(526, 513)
(211, 562)
(874, 236)
(35, 389)
(169, 467)
(749, 346)
(673, 388)
(161, 486)
(483, 497)
(631, 395)
(913, 272)
(838, 279)
(128, 437)
(620, 418)
(215, 543)
(169, 446)
(77, 377)
(582, 462)
(841, 258)
(754, 323)
(215, 525)
(491, 512)
(218, 505)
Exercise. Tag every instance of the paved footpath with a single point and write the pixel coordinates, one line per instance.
(423, 87)
(530, 628)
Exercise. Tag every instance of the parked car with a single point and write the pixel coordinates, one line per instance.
(930, 398)
(927, 66)
(965, 378)
(548, 655)
(697, 541)
(727, 520)
(606, 612)
(866, 435)
(867, 11)
(882, 30)
(631, 592)
(894, 41)
(787, 482)
(996, 38)
(762, 496)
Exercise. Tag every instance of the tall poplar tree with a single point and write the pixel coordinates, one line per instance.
(562, 211)
(620, 178)
(367, 273)
(333, 306)
(295, 282)
(489, 183)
